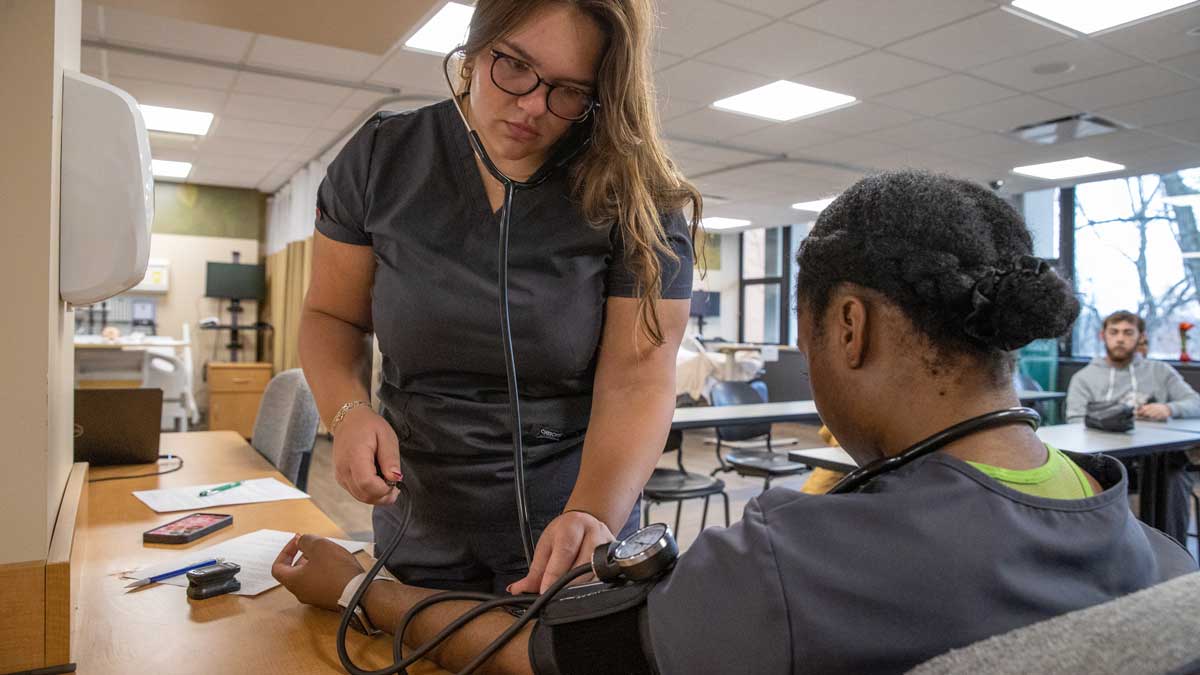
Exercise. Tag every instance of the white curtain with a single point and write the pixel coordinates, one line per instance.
(292, 209)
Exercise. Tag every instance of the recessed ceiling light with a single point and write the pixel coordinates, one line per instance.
(718, 223)
(817, 205)
(445, 31)
(782, 100)
(1068, 168)
(176, 120)
(167, 169)
(1090, 16)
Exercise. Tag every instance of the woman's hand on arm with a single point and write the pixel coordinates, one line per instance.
(335, 321)
(632, 403)
(323, 570)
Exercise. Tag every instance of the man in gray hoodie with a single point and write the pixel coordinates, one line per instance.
(1155, 390)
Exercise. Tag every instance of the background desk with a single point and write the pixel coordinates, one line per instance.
(159, 630)
(1148, 441)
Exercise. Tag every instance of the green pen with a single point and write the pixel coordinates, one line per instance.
(220, 488)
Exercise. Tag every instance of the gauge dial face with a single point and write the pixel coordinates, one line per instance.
(641, 540)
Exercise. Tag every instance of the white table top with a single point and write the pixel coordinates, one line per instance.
(754, 413)
(1146, 438)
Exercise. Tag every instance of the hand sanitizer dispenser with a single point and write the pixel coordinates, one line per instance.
(107, 191)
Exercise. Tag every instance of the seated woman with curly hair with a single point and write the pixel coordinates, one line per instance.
(913, 291)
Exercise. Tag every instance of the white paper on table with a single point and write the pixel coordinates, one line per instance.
(187, 498)
(254, 552)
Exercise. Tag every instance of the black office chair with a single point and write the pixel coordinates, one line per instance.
(766, 464)
(680, 485)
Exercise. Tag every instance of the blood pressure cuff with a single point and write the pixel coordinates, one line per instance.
(597, 628)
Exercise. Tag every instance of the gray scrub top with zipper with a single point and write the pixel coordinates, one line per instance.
(407, 185)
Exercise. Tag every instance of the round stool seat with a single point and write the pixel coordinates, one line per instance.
(671, 484)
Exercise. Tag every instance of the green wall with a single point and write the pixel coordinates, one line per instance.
(207, 211)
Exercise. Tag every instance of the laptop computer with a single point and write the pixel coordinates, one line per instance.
(117, 426)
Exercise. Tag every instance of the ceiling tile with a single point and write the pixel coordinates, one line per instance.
(1010, 113)
(1186, 130)
(871, 74)
(689, 27)
(172, 35)
(775, 8)
(669, 108)
(161, 142)
(169, 71)
(923, 132)
(1087, 59)
(781, 50)
(664, 60)
(978, 40)
(849, 150)
(342, 118)
(715, 125)
(289, 88)
(225, 177)
(1188, 64)
(861, 118)
(912, 159)
(407, 69)
(264, 109)
(720, 155)
(947, 94)
(228, 127)
(170, 95)
(788, 137)
(240, 147)
(889, 20)
(1173, 157)
(978, 146)
(704, 82)
(1160, 38)
(1128, 85)
(305, 57)
(211, 160)
(1154, 111)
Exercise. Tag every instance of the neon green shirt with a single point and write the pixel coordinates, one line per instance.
(1058, 478)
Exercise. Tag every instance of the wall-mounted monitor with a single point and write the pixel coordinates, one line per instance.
(234, 281)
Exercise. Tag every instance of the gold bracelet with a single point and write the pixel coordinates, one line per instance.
(341, 414)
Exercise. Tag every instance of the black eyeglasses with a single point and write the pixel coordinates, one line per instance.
(513, 76)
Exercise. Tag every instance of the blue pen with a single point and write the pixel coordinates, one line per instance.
(174, 573)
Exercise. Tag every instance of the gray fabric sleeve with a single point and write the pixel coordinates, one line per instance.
(722, 609)
(342, 196)
(1079, 394)
(1181, 398)
(676, 274)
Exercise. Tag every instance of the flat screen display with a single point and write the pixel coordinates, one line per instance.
(234, 280)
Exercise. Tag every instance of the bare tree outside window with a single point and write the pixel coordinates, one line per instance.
(1132, 238)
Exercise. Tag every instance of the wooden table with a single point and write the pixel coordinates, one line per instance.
(158, 629)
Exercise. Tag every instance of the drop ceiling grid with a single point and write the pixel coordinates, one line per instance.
(714, 48)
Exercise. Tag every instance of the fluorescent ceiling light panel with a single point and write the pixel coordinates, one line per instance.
(1092, 16)
(445, 31)
(782, 101)
(815, 206)
(1068, 168)
(176, 120)
(167, 169)
(717, 223)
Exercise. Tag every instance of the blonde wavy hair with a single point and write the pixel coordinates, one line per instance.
(625, 175)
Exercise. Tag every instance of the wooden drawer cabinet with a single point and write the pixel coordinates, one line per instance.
(234, 392)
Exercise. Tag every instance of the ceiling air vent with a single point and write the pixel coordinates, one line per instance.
(1065, 129)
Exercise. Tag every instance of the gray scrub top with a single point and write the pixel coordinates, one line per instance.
(933, 556)
(407, 185)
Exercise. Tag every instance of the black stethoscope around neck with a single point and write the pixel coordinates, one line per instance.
(857, 479)
(511, 185)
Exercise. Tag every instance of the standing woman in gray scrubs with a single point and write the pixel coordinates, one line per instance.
(600, 286)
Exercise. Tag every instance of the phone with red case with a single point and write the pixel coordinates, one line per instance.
(187, 529)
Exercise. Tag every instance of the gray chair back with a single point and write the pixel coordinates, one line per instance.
(1156, 630)
(286, 427)
(740, 393)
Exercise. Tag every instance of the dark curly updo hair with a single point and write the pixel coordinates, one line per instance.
(955, 258)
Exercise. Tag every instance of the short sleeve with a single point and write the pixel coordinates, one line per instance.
(342, 196)
(722, 609)
(676, 274)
